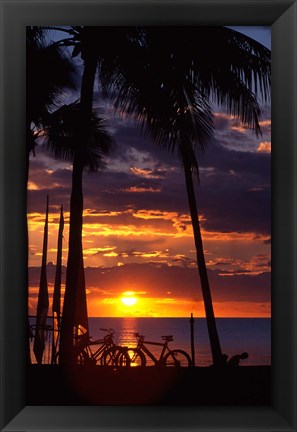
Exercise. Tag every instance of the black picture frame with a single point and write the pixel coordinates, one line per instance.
(15, 15)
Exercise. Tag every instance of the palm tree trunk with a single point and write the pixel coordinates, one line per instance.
(75, 267)
(73, 264)
(209, 312)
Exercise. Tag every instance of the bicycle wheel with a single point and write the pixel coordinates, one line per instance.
(81, 358)
(124, 358)
(177, 358)
(115, 356)
(137, 358)
(84, 359)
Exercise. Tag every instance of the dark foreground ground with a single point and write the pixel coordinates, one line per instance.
(245, 385)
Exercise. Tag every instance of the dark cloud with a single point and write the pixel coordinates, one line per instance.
(233, 195)
(157, 279)
(236, 197)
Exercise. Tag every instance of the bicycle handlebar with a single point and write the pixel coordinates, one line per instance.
(138, 335)
(165, 338)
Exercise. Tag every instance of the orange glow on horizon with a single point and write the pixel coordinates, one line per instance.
(100, 240)
(176, 308)
(132, 304)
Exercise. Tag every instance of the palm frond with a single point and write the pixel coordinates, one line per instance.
(233, 94)
(49, 73)
(202, 52)
(35, 35)
(67, 135)
(222, 65)
(167, 78)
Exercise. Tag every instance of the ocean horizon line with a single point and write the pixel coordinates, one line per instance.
(180, 317)
(166, 317)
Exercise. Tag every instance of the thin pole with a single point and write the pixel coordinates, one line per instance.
(192, 340)
(42, 305)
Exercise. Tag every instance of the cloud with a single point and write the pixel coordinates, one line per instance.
(240, 189)
(232, 134)
(148, 172)
(264, 147)
(142, 177)
(156, 280)
(138, 207)
(141, 189)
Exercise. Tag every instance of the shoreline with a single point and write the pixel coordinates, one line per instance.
(243, 385)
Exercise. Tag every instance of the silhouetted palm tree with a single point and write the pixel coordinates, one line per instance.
(85, 145)
(169, 88)
(87, 42)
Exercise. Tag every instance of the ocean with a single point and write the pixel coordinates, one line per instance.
(237, 335)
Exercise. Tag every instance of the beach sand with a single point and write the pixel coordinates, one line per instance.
(244, 385)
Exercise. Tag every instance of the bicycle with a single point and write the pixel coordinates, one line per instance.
(176, 358)
(107, 354)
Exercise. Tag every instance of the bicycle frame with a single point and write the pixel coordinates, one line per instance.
(93, 355)
(105, 343)
(143, 348)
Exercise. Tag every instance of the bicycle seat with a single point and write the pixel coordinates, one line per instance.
(168, 338)
(83, 337)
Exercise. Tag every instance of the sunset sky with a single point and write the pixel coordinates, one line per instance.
(139, 253)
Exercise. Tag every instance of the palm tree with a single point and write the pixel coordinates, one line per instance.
(170, 90)
(83, 39)
(77, 142)
(71, 139)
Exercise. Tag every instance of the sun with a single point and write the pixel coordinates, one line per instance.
(129, 301)
(128, 298)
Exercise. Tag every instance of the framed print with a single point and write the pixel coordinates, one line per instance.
(118, 337)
